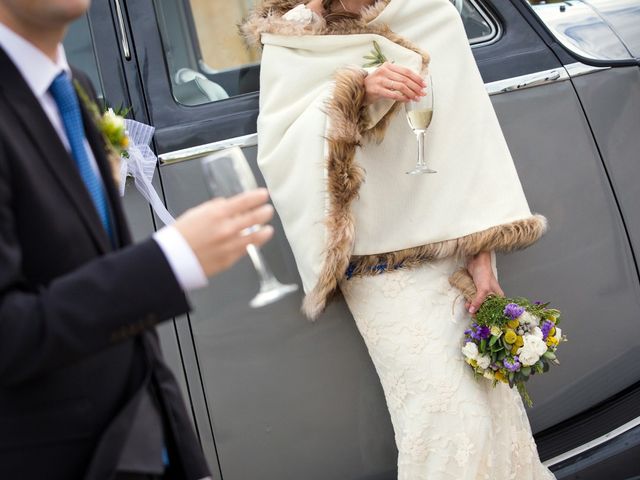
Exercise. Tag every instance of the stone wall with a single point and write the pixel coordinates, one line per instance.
(217, 26)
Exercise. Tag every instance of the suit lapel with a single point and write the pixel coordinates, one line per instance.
(96, 141)
(52, 151)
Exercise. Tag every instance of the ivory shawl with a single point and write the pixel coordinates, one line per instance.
(336, 168)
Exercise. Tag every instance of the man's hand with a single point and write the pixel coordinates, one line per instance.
(214, 229)
(479, 267)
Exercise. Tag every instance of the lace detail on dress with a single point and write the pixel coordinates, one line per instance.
(448, 425)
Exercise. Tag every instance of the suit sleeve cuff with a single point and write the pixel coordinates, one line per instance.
(181, 259)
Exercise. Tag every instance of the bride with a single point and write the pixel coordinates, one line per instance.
(333, 148)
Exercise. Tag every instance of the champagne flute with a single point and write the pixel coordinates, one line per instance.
(419, 115)
(227, 173)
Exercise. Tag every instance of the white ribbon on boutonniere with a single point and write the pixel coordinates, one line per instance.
(140, 163)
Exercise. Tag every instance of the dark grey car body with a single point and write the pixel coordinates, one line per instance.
(276, 397)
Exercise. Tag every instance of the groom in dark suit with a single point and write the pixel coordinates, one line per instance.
(84, 392)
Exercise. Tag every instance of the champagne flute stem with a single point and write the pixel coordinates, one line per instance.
(264, 272)
(420, 135)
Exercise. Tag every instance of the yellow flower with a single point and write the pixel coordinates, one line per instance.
(552, 318)
(124, 141)
(496, 331)
(514, 350)
(510, 336)
(552, 341)
(519, 341)
(552, 332)
(501, 377)
(513, 324)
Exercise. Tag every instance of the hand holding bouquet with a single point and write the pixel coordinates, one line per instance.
(510, 339)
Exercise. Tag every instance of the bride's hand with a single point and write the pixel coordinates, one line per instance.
(479, 266)
(394, 82)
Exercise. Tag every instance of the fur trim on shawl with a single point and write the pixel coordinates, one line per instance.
(348, 118)
(267, 18)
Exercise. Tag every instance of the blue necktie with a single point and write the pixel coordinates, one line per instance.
(66, 99)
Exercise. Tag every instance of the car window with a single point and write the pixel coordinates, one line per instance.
(594, 29)
(480, 26)
(208, 61)
(79, 48)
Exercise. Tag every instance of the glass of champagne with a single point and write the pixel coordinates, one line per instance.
(228, 173)
(419, 115)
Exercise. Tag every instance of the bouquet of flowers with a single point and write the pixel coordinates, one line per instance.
(512, 339)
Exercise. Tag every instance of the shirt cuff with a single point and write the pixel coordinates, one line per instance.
(182, 260)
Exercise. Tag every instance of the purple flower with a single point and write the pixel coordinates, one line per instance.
(546, 328)
(478, 332)
(512, 366)
(483, 332)
(513, 311)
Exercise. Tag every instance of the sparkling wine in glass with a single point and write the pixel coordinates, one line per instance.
(227, 173)
(419, 115)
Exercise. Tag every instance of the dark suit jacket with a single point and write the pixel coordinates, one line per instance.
(77, 344)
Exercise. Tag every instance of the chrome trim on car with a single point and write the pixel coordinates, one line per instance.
(496, 27)
(493, 88)
(125, 42)
(594, 443)
(541, 78)
(527, 81)
(202, 150)
(578, 68)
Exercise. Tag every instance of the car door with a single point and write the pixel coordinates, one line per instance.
(274, 396)
(597, 43)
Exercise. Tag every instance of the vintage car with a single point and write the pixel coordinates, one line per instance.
(274, 396)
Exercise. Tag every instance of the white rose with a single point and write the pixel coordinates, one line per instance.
(538, 333)
(114, 119)
(532, 349)
(483, 361)
(539, 345)
(532, 320)
(528, 357)
(300, 14)
(470, 350)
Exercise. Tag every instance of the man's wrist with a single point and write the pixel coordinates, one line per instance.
(181, 258)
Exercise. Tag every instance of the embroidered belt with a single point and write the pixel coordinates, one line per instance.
(373, 270)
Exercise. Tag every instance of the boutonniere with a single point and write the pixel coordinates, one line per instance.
(375, 57)
(127, 143)
(111, 124)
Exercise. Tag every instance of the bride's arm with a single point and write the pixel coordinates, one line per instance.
(481, 270)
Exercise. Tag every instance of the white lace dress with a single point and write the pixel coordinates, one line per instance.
(448, 425)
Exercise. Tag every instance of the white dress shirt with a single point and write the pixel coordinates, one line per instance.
(39, 71)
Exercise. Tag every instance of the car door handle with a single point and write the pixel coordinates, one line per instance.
(200, 151)
(539, 79)
(123, 34)
(526, 81)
